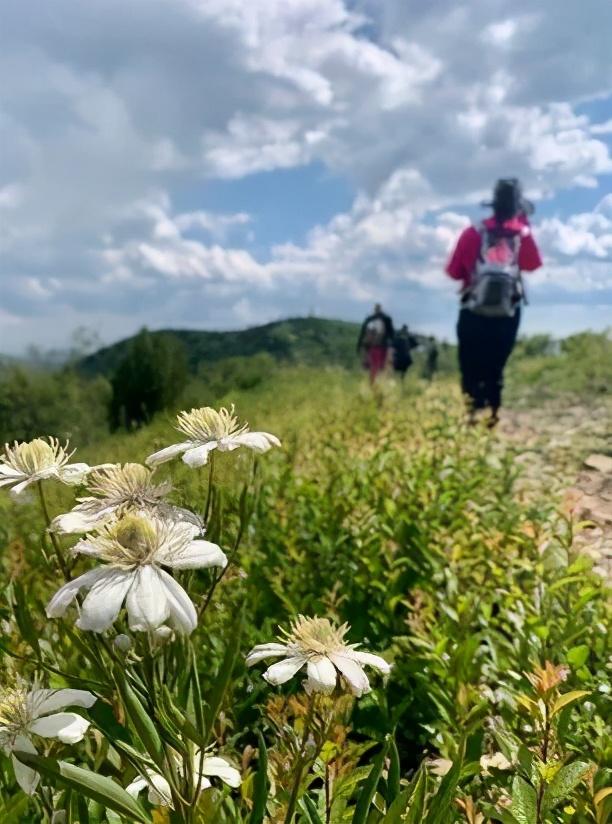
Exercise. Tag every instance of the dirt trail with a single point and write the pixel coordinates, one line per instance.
(567, 450)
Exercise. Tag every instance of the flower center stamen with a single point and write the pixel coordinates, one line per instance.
(316, 636)
(129, 484)
(35, 456)
(208, 424)
(131, 541)
(15, 714)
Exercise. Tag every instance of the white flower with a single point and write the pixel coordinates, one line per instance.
(26, 713)
(319, 645)
(25, 463)
(117, 490)
(208, 429)
(136, 547)
(159, 793)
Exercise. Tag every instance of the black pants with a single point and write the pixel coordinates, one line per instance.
(485, 345)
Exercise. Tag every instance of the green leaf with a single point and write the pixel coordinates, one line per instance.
(524, 801)
(261, 784)
(140, 719)
(564, 782)
(13, 811)
(310, 808)
(224, 676)
(567, 698)
(442, 802)
(91, 785)
(393, 777)
(497, 815)
(578, 656)
(416, 813)
(198, 704)
(362, 808)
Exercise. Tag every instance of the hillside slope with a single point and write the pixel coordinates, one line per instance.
(295, 340)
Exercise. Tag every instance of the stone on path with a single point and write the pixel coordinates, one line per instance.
(602, 463)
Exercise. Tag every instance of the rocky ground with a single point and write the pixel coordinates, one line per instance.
(567, 450)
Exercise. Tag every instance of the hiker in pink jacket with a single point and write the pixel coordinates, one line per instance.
(488, 261)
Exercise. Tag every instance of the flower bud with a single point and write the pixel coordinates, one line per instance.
(123, 643)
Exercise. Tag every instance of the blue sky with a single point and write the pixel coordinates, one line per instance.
(218, 163)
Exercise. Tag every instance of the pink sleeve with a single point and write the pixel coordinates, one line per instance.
(463, 259)
(529, 256)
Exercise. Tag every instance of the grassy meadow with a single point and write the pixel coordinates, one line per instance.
(382, 510)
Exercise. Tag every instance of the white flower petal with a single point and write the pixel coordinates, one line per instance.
(198, 455)
(86, 547)
(73, 474)
(321, 674)
(65, 726)
(18, 489)
(183, 614)
(262, 651)
(193, 556)
(83, 517)
(159, 793)
(27, 778)
(282, 671)
(257, 441)
(62, 599)
(168, 453)
(147, 604)
(352, 671)
(8, 473)
(42, 702)
(103, 603)
(371, 660)
(213, 765)
(136, 787)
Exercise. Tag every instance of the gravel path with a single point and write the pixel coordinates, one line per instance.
(567, 450)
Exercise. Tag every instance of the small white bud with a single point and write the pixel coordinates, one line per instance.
(123, 643)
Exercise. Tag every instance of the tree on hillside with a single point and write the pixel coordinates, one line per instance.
(149, 378)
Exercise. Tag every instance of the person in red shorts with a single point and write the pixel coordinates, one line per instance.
(488, 261)
(375, 338)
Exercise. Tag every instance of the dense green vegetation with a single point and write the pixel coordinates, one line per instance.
(311, 341)
(381, 510)
(128, 383)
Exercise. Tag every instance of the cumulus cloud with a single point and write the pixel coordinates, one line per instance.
(110, 110)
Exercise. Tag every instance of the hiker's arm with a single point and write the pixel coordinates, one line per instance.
(529, 258)
(463, 259)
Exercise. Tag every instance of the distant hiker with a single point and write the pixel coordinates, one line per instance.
(376, 336)
(403, 342)
(431, 359)
(488, 260)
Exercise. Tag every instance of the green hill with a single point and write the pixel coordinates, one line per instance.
(310, 341)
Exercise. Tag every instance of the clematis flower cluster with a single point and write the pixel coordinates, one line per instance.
(139, 541)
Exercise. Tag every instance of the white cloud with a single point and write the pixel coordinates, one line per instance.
(419, 105)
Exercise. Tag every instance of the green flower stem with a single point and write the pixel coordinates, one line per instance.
(54, 539)
(301, 762)
(211, 482)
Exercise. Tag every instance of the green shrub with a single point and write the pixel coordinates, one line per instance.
(150, 378)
